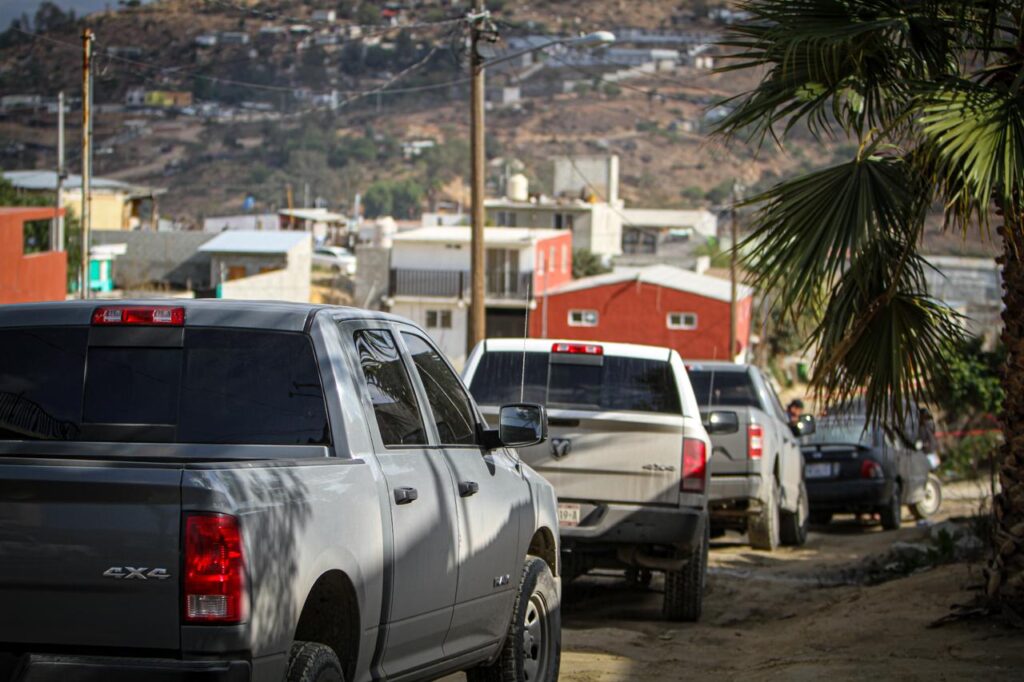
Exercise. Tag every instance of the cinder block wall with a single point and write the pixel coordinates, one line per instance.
(170, 257)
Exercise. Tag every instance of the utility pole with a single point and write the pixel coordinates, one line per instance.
(736, 191)
(57, 239)
(87, 38)
(477, 315)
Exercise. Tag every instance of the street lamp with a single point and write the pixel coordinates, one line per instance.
(477, 292)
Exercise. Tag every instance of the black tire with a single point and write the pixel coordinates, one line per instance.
(532, 650)
(763, 529)
(684, 589)
(932, 501)
(313, 662)
(821, 518)
(892, 513)
(793, 528)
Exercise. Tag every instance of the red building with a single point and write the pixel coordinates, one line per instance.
(34, 276)
(660, 305)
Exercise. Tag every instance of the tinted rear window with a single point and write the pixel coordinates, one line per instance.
(723, 388)
(619, 384)
(224, 386)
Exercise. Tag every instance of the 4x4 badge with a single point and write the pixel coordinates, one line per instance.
(560, 447)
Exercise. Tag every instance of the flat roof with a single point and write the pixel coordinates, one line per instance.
(667, 276)
(494, 236)
(46, 181)
(254, 241)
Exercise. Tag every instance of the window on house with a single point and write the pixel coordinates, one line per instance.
(439, 319)
(565, 258)
(551, 259)
(682, 320)
(563, 221)
(583, 318)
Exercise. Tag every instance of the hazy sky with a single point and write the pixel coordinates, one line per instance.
(10, 9)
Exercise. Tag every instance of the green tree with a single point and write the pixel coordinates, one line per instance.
(368, 13)
(585, 264)
(932, 94)
(378, 201)
(971, 387)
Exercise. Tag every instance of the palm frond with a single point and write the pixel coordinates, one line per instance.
(808, 228)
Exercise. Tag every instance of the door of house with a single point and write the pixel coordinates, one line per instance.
(502, 272)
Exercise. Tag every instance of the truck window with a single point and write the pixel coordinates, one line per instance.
(248, 387)
(619, 383)
(723, 388)
(453, 413)
(394, 401)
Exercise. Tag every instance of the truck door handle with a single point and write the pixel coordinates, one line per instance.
(468, 488)
(405, 495)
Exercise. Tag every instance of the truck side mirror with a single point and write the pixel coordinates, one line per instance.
(804, 426)
(722, 422)
(522, 424)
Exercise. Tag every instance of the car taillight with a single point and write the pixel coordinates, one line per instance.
(869, 468)
(214, 569)
(160, 316)
(582, 348)
(695, 458)
(755, 441)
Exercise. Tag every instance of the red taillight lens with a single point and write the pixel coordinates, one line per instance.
(869, 468)
(214, 569)
(755, 441)
(160, 316)
(695, 460)
(582, 348)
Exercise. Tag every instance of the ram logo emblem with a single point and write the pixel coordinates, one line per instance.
(560, 447)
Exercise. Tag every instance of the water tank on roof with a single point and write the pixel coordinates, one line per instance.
(518, 188)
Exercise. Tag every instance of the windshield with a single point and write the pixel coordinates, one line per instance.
(221, 386)
(618, 384)
(841, 431)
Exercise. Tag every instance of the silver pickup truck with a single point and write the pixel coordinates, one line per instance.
(627, 454)
(757, 470)
(216, 490)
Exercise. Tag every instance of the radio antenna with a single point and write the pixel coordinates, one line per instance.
(526, 334)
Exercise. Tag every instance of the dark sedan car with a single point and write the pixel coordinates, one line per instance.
(854, 467)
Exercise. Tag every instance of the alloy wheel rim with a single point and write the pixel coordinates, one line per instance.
(536, 640)
(931, 499)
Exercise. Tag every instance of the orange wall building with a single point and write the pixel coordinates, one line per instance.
(25, 278)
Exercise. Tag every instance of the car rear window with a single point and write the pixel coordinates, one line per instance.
(618, 384)
(247, 387)
(723, 388)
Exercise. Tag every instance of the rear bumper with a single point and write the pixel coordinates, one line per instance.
(620, 524)
(735, 488)
(852, 495)
(62, 668)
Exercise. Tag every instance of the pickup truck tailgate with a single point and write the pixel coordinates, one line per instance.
(79, 545)
(631, 458)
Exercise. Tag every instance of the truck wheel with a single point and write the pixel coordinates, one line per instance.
(684, 589)
(932, 499)
(533, 647)
(891, 513)
(793, 530)
(763, 529)
(313, 662)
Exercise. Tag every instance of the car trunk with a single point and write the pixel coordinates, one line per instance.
(834, 462)
(84, 548)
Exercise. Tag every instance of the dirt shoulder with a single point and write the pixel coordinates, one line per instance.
(773, 616)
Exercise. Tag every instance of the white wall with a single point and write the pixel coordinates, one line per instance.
(429, 256)
(605, 233)
(290, 283)
(452, 342)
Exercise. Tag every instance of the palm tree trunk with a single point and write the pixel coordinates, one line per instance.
(1006, 568)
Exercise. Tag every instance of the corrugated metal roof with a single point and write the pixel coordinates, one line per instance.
(46, 180)
(251, 241)
(667, 276)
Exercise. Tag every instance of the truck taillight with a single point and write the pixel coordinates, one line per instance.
(755, 441)
(214, 572)
(695, 459)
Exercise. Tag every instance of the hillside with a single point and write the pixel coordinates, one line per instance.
(268, 133)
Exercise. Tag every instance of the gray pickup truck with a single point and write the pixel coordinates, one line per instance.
(757, 470)
(627, 455)
(217, 490)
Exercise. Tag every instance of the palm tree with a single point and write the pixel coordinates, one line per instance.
(932, 93)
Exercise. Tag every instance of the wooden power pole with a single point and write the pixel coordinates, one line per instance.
(87, 38)
(477, 311)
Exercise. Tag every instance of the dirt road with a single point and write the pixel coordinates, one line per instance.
(772, 616)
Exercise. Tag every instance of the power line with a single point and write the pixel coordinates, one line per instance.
(372, 28)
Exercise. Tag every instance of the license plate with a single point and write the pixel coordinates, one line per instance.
(819, 470)
(568, 515)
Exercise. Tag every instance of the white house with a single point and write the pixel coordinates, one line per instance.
(644, 230)
(261, 265)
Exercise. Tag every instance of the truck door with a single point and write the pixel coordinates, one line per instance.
(424, 573)
(493, 497)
